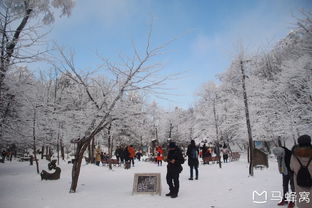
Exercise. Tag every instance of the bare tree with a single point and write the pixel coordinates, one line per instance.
(133, 75)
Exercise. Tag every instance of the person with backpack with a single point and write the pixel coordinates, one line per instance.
(283, 156)
(301, 164)
(192, 154)
(175, 160)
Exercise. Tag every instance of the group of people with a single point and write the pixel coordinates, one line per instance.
(100, 156)
(6, 155)
(124, 155)
(296, 168)
(127, 154)
(206, 152)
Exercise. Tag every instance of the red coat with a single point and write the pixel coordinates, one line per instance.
(131, 151)
(159, 150)
(159, 156)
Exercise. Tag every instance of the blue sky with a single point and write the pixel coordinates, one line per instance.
(206, 32)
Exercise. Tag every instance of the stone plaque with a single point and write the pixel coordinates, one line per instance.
(146, 183)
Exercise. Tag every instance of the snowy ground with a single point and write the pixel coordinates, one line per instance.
(99, 187)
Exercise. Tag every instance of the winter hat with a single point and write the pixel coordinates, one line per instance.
(172, 145)
(304, 140)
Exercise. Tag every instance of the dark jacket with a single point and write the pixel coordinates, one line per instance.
(288, 154)
(192, 161)
(176, 154)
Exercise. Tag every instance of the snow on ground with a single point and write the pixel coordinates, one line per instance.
(100, 187)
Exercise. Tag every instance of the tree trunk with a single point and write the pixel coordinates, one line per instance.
(217, 132)
(92, 150)
(170, 130)
(89, 153)
(58, 151)
(81, 148)
(42, 152)
(267, 145)
(109, 144)
(47, 153)
(62, 150)
(248, 154)
(247, 121)
(34, 144)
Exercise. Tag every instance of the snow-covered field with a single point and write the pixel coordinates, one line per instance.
(100, 187)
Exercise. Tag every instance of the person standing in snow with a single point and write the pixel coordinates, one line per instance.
(192, 154)
(225, 152)
(98, 156)
(131, 151)
(139, 155)
(301, 164)
(175, 160)
(283, 159)
(159, 156)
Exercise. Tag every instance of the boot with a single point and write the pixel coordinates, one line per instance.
(191, 179)
(291, 205)
(169, 194)
(174, 195)
(282, 203)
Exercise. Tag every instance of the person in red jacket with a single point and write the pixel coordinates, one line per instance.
(159, 157)
(131, 151)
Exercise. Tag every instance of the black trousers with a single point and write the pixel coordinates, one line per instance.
(173, 182)
(286, 180)
(196, 171)
(132, 160)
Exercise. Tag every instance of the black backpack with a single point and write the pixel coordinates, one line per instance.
(303, 176)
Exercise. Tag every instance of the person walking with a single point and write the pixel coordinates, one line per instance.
(283, 156)
(175, 160)
(301, 164)
(192, 154)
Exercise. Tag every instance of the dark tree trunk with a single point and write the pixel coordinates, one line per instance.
(62, 150)
(89, 153)
(170, 130)
(267, 145)
(47, 153)
(110, 144)
(42, 152)
(81, 148)
(58, 151)
(217, 132)
(247, 120)
(92, 150)
(248, 154)
(34, 140)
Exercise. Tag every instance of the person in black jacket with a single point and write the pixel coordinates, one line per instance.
(283, 158)
(175, 160)
(192, 154)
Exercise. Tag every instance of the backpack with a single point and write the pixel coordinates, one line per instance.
(194, 153)
(303, 176)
